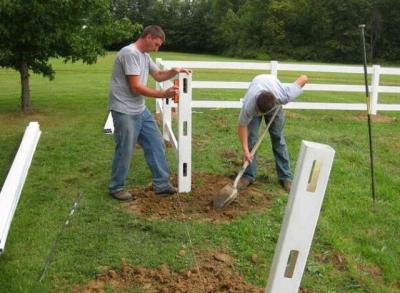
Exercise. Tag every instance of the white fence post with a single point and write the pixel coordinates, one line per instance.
(375, 89)
(304, 204)
(158, 85)
(274, 68)
(12, 188)
(166, 112)
(185, 133)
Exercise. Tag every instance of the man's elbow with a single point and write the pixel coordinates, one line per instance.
(157, 76)
(136, 89)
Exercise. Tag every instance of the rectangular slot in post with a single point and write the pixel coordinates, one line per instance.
(291, 263)
(314, 175)
(167, 101)
(184, 125)
(184, 169)
(185, 85)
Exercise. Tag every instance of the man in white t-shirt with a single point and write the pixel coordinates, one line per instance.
(264, 94)
(133, 123)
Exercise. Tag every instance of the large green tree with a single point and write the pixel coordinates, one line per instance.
(32, 32)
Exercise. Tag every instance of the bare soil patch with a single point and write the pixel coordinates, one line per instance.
(362, 116)
(214, 273)
(198, 203)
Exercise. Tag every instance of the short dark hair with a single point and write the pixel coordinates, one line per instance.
(265, 101)
(154, 30)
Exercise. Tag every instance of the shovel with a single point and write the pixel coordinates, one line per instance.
(230, 192)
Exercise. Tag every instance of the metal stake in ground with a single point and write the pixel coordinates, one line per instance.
(230, 192)
(371, 153)
(53, 247)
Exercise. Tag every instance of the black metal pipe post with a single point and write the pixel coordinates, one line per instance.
(371, 153)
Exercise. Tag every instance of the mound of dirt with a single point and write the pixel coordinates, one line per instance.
(214, 273)
(198, 203)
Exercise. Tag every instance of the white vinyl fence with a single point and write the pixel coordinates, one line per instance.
(187, 103)
(274, 66)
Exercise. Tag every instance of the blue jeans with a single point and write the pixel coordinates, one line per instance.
(142, 129)
(278, 142)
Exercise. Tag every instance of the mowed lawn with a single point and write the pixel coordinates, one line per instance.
(356, 244)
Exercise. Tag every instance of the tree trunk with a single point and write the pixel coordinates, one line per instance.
(25, 91)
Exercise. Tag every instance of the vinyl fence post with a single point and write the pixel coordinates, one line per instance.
(375, 89)
(185, 133)
(158, 85)
(302, 211)
(274, 68)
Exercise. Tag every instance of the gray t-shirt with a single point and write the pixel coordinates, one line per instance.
(266, 82)
(129, 61)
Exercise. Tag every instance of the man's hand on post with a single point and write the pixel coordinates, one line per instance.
(180, 69)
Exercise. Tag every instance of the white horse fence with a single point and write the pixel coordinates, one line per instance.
(183, 144)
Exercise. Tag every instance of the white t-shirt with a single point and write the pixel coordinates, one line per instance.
(266, 82)
(129, 61)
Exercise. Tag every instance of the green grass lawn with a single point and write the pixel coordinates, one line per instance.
(74, 155)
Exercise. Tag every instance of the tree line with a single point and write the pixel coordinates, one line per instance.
(316, 30)
(32, 32)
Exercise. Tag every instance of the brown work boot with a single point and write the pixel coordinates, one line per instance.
(171, 190)
(245, 182)
(122, 195)
(286, 185)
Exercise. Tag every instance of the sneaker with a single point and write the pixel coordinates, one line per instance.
(167, 192)
(122, 195)
(245, 182)
(286, 185)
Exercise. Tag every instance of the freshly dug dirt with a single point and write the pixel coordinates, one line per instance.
(214, 273)
(198, 203)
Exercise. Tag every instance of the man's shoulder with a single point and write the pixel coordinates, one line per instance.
(128, 50)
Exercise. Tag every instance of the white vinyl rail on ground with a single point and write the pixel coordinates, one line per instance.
(11, 191)
(313, 168)
(273, 68)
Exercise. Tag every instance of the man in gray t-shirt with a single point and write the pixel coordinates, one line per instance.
(264, 93)
(133, 123)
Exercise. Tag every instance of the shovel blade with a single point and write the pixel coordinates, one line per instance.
(226, 196)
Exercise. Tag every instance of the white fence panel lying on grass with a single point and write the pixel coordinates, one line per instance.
(301, 216)
(11, 191)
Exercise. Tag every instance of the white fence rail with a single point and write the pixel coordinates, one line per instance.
(12, 188)
(274, 66)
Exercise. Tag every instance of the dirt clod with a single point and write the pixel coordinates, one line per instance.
(212, 275)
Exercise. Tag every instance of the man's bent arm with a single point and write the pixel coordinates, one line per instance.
(138, 88)
(162, 75)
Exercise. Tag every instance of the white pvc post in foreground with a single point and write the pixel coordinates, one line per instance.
(185, 133)
(375, 89)
(304, 204)
(11, 191)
